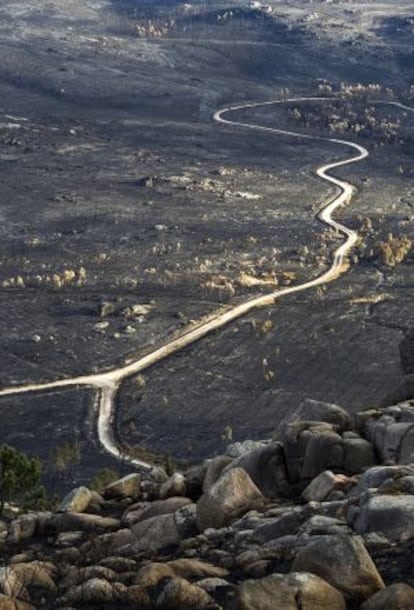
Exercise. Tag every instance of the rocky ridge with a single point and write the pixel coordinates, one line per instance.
(322, 518)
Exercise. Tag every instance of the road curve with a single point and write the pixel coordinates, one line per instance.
(107, 383)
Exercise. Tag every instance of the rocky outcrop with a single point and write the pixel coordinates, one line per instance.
(320, 519)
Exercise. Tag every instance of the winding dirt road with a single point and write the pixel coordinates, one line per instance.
(107, 383)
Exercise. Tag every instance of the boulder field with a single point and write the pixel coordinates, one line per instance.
(320, 519)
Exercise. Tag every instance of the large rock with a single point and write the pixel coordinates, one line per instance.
(155, 534)
(389, 515)
(266, 467)
(398, 596)
(310, 448)
(344, 562)
(127, 487)
(233, 494)
(76, 501)
(288, 592)
(359, 454)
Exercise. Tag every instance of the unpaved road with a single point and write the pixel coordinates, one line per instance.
(107, 383)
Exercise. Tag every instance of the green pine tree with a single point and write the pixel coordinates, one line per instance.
(19, 478)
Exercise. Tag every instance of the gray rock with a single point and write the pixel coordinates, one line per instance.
(233, 494)
(388, 515)
(359, 454)
(155, 534)
(76, 501)
(344, 562)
